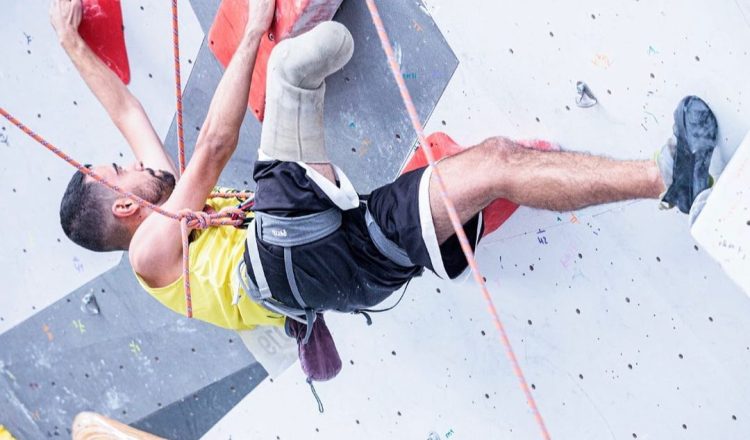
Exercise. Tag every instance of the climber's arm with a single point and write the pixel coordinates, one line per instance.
(123, 108)
(156, 247)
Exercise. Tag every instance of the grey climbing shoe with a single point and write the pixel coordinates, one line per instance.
(689, 155)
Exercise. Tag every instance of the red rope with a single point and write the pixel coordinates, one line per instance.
(178, 88)
(188, 219)
(455, 221)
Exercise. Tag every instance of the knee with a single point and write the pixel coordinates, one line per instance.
(498, 152)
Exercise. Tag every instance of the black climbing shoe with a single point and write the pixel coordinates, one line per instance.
(696, 132)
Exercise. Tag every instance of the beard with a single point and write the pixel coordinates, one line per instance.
(159, 188)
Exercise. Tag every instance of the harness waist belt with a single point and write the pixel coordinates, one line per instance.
(295, 231)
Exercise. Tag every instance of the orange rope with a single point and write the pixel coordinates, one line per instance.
(188, 219)
(449, 206)
(178, 89)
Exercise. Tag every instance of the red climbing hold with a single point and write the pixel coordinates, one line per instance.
(101, 28)
(443, 146)
(293, 17)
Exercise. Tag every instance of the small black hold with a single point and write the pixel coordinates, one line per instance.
(399, 413)
(443, 122)
(653, 76)
(684, 426)
(695, 246)
(398, 136)
(593, 17)
(393, 352)
(438, 290)
(483, 333)
(38, 115)
(537, 119)
(551, 34)
(28, 51)
(511, 51)
(351, 362)
(354, 150)
(533, 387)
(529, 322)
(486, 396)
(627, 299)
(231, 340)
(680, 356)
(635, 436)
(580, 376)
(734, 417)
(697, 58)
(630, 366)
(711, 319)
(193, 349)
(578, 311)
(580, 256)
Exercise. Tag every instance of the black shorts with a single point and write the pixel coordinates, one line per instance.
(345, 271)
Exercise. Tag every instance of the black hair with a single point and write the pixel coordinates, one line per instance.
(86, 217)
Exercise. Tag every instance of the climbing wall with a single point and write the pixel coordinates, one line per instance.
(624, 326)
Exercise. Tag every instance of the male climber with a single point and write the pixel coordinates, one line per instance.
(316, 244)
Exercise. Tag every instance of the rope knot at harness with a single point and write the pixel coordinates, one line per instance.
(229, 216)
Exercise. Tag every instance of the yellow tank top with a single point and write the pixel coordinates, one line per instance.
(214, 256)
